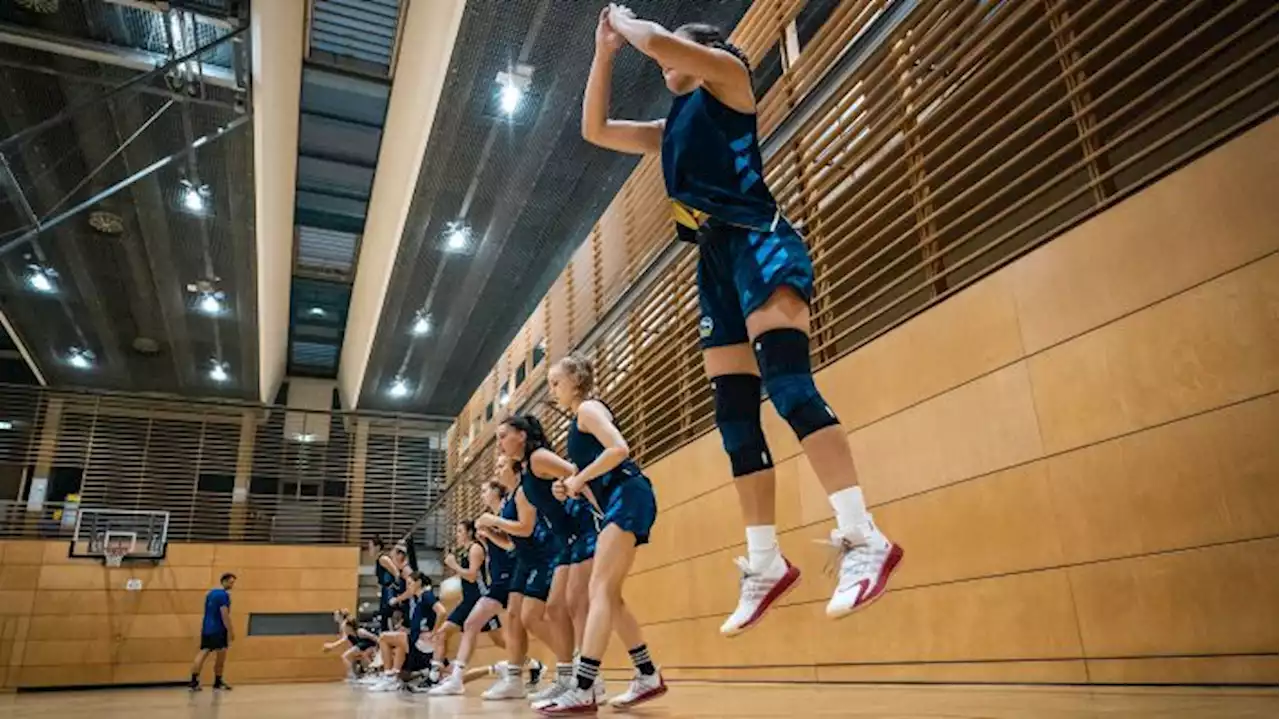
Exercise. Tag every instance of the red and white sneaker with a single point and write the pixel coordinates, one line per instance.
(644, 688)
(758, 594)
(866, 560)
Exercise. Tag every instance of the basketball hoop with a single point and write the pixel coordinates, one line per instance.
(117, 546)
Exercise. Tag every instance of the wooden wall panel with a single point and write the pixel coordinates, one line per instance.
(1211, 217)
(1211, 345)
(1185, 670)
(75, 624)
(1204, 480)
(1083, 474)
(1215, 600)
(980, 427)
(966, 337)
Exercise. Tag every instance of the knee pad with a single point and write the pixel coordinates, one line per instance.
(737, 399)
(783, 356)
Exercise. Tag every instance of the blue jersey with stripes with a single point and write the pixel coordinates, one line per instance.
(712, 166)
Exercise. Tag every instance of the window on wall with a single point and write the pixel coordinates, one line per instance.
(767, 71)
(488, 412)
(539, 352)
(812, 18)
(520, 374)
(220, 483)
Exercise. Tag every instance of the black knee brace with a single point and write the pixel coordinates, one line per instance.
(738, 417)
(783, 356)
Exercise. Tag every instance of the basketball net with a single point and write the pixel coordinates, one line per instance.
(115, 550)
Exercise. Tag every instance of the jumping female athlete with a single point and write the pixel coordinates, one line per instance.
(755, 281)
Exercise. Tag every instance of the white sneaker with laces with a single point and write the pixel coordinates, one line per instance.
(643, 688)
(757, 594)
(571, 701)
(450, 687)
(865, 560)
(388, 684)
(555, 689)
(507, 687)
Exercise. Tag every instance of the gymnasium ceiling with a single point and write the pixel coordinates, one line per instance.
(365, 139)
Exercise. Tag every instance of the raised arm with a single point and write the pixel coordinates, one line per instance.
(720, 71)
(637, 138)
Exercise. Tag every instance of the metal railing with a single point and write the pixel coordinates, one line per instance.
(224, 471)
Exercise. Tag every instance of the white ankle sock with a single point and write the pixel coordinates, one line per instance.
(851, 509)
(762, 550)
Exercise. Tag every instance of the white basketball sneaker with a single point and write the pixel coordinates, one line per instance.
(571, 701)
(757, 595)
(555, 689)
(643, 688)
(507, 687)
(866, 559)
(450, 687)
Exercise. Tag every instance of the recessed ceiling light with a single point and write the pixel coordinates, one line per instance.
(512, 86)
(194, 198)
(511, 96)
(317, 312)
(218, 372)
(421, 324)
(456, 236)
(5, 425)
(305, 437)
(399, 388)
(211, 303)
(80, 358)
(41, 279)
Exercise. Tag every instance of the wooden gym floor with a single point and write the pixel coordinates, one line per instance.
(322, 701)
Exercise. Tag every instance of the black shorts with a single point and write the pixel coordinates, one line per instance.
(417, 660)
(458, 617)
(533, 576)
(213, 642)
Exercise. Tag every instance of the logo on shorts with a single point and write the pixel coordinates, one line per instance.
(705, 326)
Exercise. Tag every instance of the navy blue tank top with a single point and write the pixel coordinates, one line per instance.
(385, 577)
(550, 509)
(471, 590)
(498, 562)
(523, 545)
(583, 448)
(712, 165)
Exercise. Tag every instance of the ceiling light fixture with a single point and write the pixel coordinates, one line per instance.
(41, 279)
(210, 304)
(421, 324)
(209, 299)
(399, 388)
(317, 312)
(194, 198)
(512, 86)
(80, 358)
(5, 425)
(305, 437)
(218, 372)
(457, 236)
(504, 397)
(511, 96)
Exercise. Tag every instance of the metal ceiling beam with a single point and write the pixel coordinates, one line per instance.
(426, 47)
(105, 53)
(278, 29)
(22, 349)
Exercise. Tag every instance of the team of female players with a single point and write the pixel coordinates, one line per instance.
(555, 546)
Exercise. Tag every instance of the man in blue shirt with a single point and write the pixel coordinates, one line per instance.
(216, 633)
